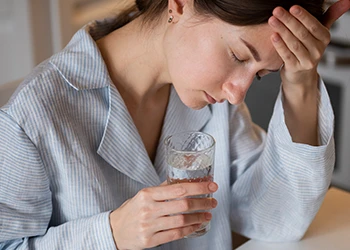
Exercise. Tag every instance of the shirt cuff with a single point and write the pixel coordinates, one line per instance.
(101, 233)
(325, 121)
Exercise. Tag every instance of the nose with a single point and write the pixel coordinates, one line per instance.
(235, 93)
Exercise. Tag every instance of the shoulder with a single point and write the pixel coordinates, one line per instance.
(36, 84)
(60, 81)
(30, 101)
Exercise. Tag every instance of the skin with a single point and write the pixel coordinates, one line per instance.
(195, 55)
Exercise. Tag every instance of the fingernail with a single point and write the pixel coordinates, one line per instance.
(214, 203)
(213, 187)
(295, 11)
(278, 12)
(208, 216)
(274, 22)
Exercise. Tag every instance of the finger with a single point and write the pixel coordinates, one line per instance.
(297, 51)
(334, 12)
(306, 52)
(296, 31)
(173, 234)
(186, 205)
(180, 220)
(287, 56)
(310, 22)
(181, 190)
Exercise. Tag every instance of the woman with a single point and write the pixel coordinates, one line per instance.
(81, 154)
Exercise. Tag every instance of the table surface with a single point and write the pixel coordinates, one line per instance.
(330, 229)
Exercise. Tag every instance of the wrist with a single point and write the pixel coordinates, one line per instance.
(300, 104)
(304, 90)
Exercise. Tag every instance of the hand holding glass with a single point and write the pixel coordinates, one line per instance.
(190, 158)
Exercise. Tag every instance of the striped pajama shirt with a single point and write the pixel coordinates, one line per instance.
(70, 154)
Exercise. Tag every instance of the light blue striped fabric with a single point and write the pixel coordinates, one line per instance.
(70, 153)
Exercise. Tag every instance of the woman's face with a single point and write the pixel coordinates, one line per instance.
(211, 61)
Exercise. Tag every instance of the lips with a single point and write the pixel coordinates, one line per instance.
(211, 100)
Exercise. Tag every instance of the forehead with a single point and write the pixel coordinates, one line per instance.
(255, 34)
(259, 37)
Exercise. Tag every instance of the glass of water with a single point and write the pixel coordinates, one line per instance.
(190, 158)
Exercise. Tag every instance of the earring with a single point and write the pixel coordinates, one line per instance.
(170, 19)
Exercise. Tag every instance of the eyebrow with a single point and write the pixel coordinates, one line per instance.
(252, 50)
(256, 54)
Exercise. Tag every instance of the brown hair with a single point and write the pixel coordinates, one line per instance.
(236, 12)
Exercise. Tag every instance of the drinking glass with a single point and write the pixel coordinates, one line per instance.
(190, 158)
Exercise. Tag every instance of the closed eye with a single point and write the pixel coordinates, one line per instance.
(235, 58)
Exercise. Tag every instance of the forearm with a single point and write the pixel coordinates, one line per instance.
(281, 187)
(286, 188)
(300, 104)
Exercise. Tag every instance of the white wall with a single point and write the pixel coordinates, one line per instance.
(16, 54)
(33, 30)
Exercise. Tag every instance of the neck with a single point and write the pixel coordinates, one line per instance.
(136, 63)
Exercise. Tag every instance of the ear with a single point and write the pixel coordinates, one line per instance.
(335, 11)
(177, 6)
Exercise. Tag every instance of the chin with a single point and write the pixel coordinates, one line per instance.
(196, 105)
(192, 102)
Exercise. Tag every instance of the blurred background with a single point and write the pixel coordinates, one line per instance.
(32, 30)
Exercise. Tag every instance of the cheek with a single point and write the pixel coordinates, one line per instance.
(186, 69)
(198, 65)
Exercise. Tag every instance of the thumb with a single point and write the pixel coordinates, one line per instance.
(334, 12)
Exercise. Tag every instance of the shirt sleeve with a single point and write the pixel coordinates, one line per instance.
(25, 201)
(278, 185)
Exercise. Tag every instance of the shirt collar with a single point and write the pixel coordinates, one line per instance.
(81, 64)
(122, 146)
